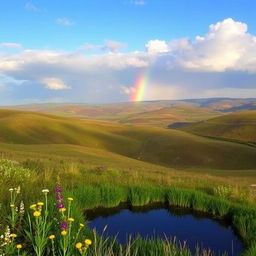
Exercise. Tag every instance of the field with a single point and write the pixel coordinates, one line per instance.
(238, 126)
(88, 159)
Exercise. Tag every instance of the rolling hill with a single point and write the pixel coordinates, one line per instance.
(40, 133)
(156, 113)
(239, 126)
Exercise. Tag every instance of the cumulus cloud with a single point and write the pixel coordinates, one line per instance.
(220, 63)
(157, 46)
(54, 83)
(226, 46)
(65, 22)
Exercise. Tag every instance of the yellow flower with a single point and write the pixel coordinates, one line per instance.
(64, 232)
(32, 206)
(70, 199)
(88, 241)
(12, 205)
(40, 203)
(18, 246)
(52, 237)
(37, 213)
(62, 209)
(81, 225)
(79, 245)
(71, 219)
(13, 235)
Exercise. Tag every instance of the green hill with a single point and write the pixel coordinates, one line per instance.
(170, 115)
(159, 113)
(41, 133)
(236, 126)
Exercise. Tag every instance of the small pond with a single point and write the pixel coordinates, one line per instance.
(158, 220)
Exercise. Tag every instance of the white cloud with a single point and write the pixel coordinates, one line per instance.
(157, 46)
(127, 90)
(220, 63)
(54, 83)
(109, 46)
(31, 7)
(227, 46)
(65, 22)
(10, 45)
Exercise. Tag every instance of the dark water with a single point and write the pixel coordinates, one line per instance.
(195, 228)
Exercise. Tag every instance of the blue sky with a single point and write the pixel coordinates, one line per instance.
(93, 50)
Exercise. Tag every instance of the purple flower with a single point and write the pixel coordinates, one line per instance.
(58, 190)
(63, 225)
(60, 205)
(59, 197)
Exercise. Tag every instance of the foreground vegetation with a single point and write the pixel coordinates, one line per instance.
(40, 229)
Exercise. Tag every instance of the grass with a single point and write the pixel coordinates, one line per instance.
(95, 168)
(159, 113)
(238, 126)
(20, 132)
(242, 217)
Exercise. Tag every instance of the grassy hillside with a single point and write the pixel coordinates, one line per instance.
(238, 126)
(158, 113)
(169, 115)
(159, 146)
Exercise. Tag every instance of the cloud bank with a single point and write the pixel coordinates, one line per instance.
(220, 63)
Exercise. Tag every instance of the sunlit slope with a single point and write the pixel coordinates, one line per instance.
(238, 126)
(156, 113)
(155, 145)
(169, 115)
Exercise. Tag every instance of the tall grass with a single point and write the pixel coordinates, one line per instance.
(241, 216)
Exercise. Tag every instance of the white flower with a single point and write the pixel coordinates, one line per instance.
(45, 190)
(17, 190)
(22, 208)
(10, 189)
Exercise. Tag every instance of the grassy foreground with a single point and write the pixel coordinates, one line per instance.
(40, 229)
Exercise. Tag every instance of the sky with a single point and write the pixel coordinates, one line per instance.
(104, 51)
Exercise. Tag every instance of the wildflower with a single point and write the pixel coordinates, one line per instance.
(58, 189)
(64, 232)
(88, 241)
(37, 213)
(10, 189)
(71, 219)
(12, 205)
(45, 191)
(62, 209)
(70, 199)
(40, 203)
(81, 225)
(79, 245)
(13, 235)
(17, 190)
(32, 206)
(52, 237)
(63, 225)
(7, 235)
(22, 208)
(18, 246)
(60, 205)
(59, 197)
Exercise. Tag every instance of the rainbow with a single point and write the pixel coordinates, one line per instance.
(139, 87)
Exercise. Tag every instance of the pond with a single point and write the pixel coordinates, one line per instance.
(158, 220)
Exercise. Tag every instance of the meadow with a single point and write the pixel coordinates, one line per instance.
(87, 161)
